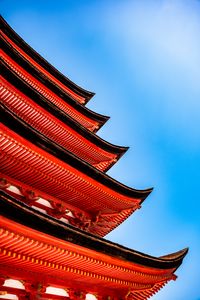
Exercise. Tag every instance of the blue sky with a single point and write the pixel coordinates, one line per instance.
(142, 59)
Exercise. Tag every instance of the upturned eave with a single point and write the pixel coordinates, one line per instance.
(82, 94)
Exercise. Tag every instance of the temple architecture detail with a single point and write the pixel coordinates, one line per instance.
(56, 201)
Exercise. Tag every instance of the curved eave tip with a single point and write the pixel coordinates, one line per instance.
(146, 193)
(126, 148)
(89, 96)
(179, 255)
(122, 150)
(105, 119)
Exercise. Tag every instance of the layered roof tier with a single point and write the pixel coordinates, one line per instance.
(56, 201)
(59, 80)
(50, 169)
(33, 108)
(46, 251)
(32, 75)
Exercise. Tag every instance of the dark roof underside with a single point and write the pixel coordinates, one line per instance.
(21, 213)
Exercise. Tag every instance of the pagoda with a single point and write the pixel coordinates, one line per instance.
(57, 202)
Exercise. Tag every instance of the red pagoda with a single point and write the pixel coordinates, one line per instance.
(57, 202)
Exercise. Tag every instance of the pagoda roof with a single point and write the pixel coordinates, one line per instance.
(65, 254)
(56, 202)
(46, 87)
(65, 176)
(29, 217)
(30, 134)
(78, 93)
(65, 131)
